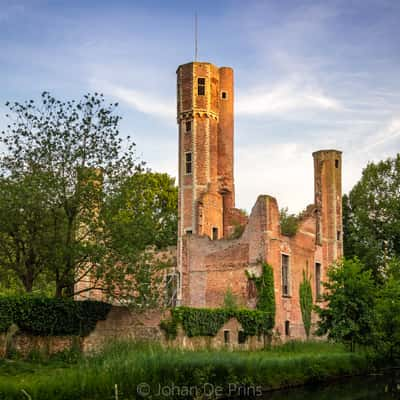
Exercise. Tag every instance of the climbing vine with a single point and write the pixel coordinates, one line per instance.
(265, 290)
(208, 321)
(306, 302)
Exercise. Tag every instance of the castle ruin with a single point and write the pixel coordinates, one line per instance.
(209, 261)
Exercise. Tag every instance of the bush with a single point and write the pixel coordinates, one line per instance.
(208, 321)
(289, 223)
(50, 316)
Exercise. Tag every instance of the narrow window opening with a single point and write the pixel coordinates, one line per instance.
(215, 233)
(251, 289)
(285, 275)
(188, 232)
(317, 281)
(287, 328)
(188, 126)
(201, 86)
(338, 235)
(227, 338)
(336, 163)
(224, 95)
(188, 160)
(241, 337)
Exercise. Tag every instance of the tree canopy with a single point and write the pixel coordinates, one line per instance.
(75, 201)
(371, 216)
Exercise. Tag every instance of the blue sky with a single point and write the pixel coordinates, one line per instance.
(308, 75)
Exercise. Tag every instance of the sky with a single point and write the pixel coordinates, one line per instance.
(309, 75)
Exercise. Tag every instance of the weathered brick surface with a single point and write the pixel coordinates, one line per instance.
(208, 268)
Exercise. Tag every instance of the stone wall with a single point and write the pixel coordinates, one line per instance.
(122, 324)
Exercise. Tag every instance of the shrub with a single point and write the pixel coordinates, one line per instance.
(306, 302)
(50, 316)
(208, 321)
(230, 300)
(289, 223)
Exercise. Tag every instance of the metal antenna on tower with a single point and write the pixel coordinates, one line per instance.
(195, 36)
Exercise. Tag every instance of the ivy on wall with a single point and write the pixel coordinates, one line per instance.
(306, 302)
(265, 290)
(51, 316)
(208, 321)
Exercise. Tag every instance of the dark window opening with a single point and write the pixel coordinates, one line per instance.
(338, 235)
(171, 290)
(224, 95)
(241, 337)
(227, 338)
(189, 232)
(188, 126)
(336, 163)
(251, 289)
(287, 328)
(188, 160)
(215, 233)
(317, 280)
(201, 86)
(285, 275)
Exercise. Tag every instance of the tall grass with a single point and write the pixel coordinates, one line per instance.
(127, 365)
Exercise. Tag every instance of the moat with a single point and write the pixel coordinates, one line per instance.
(373, 387)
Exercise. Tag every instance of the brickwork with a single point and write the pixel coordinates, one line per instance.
(209, 267)
(122, 324)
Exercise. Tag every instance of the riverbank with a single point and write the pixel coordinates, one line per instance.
(159, 373)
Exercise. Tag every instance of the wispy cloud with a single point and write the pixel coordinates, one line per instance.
(389, 133)
(287, 96)
(148, 103)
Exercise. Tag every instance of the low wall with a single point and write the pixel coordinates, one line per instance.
(122, 324)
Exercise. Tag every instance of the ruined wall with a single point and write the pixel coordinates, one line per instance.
(122, 324)
(209, 268)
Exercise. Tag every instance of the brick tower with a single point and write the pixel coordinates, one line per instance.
(206, 186)
(328, 201)
(205, 119)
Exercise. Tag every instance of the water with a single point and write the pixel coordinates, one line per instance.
(377, 387)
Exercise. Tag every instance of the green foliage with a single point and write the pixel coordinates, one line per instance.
(371, 214)
(265, 291)
(75, 202)
(289, 222)
(237, 231)
(350, 296)
(230, 300)
(144, 211)
(387, 314)
(51, 316)
(306, 302)
(238, 227)
(208, 321)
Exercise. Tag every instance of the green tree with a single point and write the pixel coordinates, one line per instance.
(372, 216)
(24, 226)
(64, 161)
(306, 302)
(387, 314)
(143, 212)
(289, 222)
(350, 299)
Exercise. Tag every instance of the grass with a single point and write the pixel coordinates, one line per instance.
(128, 364)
